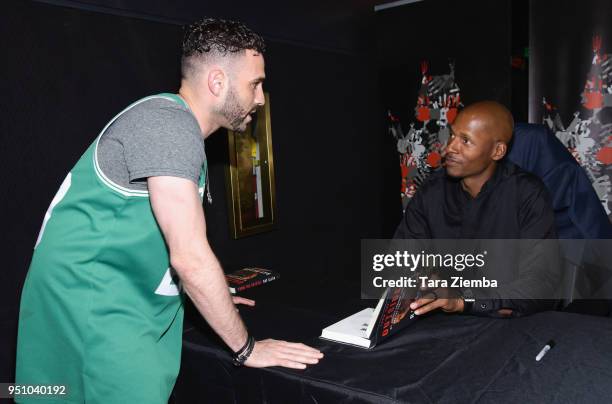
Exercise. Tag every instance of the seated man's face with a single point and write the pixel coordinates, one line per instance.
(470, 148)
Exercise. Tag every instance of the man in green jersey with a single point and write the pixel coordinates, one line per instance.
(101, 309)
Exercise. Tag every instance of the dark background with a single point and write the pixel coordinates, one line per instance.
(333, 69)
(480, 36)
(558, 72)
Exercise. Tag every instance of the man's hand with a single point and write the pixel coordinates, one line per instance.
(271, 352)
(431, 302)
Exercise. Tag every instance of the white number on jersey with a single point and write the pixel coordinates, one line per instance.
(167, 286)
(61, 193)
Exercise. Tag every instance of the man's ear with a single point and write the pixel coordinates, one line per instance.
(500, 151)
(216, 81)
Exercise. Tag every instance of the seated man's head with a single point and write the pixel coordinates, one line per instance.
(479, 138)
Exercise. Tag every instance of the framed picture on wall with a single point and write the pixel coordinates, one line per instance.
(250, 176)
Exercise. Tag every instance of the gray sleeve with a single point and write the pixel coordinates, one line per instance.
(163, 141)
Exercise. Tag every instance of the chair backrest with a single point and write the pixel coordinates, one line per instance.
(579, 213)
(578, 210)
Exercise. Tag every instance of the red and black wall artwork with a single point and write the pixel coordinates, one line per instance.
(571, 83)
(420, 148)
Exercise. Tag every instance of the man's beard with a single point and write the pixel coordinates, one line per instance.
(233, 111)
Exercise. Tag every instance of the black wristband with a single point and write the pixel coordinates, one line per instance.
(243, 354)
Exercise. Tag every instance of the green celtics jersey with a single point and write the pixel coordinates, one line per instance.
(101, 310)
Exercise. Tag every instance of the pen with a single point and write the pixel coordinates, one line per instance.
(549, 345)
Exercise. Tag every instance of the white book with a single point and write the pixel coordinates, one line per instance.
(371, 326)
(355, 329)
(351, 330)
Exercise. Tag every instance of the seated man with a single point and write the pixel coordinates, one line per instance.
(480, 195)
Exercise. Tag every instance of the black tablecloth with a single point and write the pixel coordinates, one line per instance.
(439, 359)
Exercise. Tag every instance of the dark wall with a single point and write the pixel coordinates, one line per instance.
(332, 25)
(66, 72)
(520, 60)
(561, 44)
(476, 34)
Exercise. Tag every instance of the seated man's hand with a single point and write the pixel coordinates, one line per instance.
(271, 352)
(430, 301)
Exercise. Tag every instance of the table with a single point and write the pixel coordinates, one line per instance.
(441, 358)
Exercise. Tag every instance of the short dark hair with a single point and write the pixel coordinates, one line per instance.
(216, 36)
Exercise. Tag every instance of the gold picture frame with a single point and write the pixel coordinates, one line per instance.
(250, 177)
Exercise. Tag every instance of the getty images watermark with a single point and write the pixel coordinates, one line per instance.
(433, 262)
(504, 269)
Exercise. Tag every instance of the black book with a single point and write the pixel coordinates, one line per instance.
(247, 278)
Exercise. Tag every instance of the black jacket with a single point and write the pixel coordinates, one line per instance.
(513, 204)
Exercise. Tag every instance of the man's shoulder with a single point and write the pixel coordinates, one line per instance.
(156, 115)
(527, 186)
(434, 183)
(525, 180)
(435, 179)
(159, 106)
